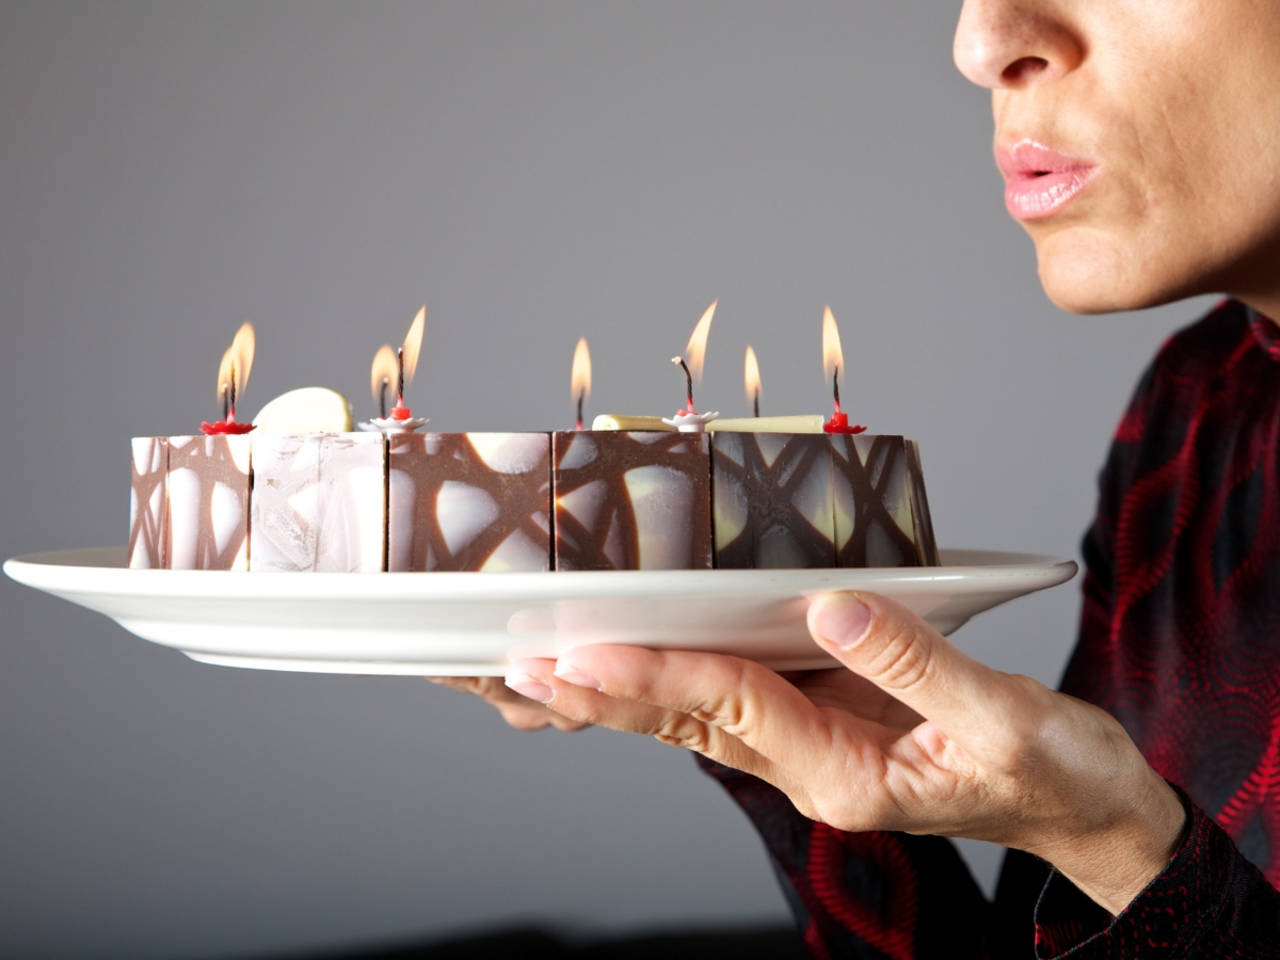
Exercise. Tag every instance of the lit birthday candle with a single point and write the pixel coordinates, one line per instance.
(233, 377)
(751, 379)
(580, 377)
(382, 374)
(794, 423)
(400, 418)
(689, 420)
(832, 361)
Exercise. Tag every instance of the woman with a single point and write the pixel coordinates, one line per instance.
(1139, 140)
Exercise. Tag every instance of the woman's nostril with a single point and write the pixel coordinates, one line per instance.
(1023, 68)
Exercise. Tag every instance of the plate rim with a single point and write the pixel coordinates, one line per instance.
(55, 568)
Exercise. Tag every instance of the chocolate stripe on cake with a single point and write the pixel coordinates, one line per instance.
(632, 500)
(148, 503)
(773, 500)
(469, 501)
(924, 535)
(874, 519)
(208, 484)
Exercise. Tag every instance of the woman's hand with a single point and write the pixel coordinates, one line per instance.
(519, 711)
(912, 736)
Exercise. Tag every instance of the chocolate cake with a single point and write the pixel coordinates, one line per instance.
(629, 500)
(469, 501)
(318, 502)
(774, 503)
(207, 484)
(574, 500)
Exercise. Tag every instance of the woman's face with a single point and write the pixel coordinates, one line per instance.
(1140, 142)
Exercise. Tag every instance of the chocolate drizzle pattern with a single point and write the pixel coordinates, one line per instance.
(875, 471)
(605, 528)
(149, 506)
(773, 511)
(925, 540)
(510, 509)
(212, 460)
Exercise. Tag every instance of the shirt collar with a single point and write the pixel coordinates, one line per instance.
(1265, 331)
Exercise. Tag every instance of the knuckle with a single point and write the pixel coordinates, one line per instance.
(685, 731)
(728, 711)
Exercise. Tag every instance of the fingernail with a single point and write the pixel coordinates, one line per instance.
(571, 674)
(841, 620)
(527, 686)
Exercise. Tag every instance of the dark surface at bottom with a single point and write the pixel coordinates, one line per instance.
(538, 944)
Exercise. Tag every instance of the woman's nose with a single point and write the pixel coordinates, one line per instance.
(1009, 44)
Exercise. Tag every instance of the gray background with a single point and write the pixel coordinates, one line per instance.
(533, 172)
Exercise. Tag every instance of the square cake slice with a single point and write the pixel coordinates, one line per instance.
(632, 500)
(469, 501)
(319, 502)
(208, 483)
(148, 503)
(774, 506)
(878, 521)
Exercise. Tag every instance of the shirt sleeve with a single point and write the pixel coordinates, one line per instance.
(1208, 903)
(871, 896)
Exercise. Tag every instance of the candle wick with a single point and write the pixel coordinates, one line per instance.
(224, 402)
(835, 386)
(755, 404)
(688, 379)
(400, 375)
(382, 397)
(581, 398)
(230, 415)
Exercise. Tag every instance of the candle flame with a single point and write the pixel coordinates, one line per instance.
(383, 372)
(580, 377)
(696, 351)
(413, 343)
(237, 362)
(832, 355)
(751, 375)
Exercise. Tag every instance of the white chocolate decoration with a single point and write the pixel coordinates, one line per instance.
(661, 498)
(620, 421)
(305, 410)
(799, 423)
(462, 512)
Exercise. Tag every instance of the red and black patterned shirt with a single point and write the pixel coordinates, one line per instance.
(1180, 640)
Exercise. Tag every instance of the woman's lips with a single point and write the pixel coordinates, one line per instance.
(1039, 181)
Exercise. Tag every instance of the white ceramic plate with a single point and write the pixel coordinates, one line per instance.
(474, 623)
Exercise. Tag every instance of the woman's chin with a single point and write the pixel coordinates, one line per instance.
(1087, 275)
